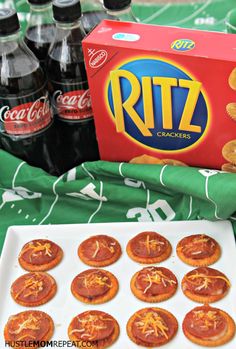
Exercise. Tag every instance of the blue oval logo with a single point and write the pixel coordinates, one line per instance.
(183, 45)
(157, 104)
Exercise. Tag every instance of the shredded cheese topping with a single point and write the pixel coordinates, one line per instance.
(90, 326)
(152, 245)
(95, 279)
(151, 323)
(31, 323)
(34, 285)
(207, 319)
(103, 244)
(38, 248)
(203, 281)
(155, 276)
(197, 245)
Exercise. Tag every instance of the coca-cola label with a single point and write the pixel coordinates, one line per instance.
(25, 118)
(74, 104)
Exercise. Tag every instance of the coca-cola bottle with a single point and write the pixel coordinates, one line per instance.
(25, 111)
(76, 141)
(93, 13)
(119, 10)
(41, 29)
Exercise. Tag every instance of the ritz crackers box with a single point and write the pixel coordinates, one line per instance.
(163, 91)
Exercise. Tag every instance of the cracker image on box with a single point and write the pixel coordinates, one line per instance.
(40, 255)
(33, 289)
(198, 250)
(152, 327)
(231, 168)
(154, 284)
(99, 251)
(146, 159)
(95, 328)
(232, 79)
(205, 285)
(231, 110)
(29, 326)
(149, 247)
(95, 286)
(229, 151)
(208, 326)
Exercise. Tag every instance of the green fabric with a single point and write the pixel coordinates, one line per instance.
(202, 14)
(107, 192)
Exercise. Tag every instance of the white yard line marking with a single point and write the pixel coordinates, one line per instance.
(208, 197)
(193, 14)
(120, 169)
(16, 173)
(54, 202)
(190, 207)
(86, 170)
(161, 175)
(156, 14)
(99, 206)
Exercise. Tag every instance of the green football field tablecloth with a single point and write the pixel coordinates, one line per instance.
(112, 192)
(107, 192)
(202, 14)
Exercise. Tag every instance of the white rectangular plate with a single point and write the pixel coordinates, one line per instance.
(63, 307)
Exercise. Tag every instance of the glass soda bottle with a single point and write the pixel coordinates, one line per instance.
(93, 13)
(41, 29)
(76, 139)
(25, 110)
(119, 10)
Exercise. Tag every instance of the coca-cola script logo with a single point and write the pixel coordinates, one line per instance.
(73, 105)
(26, 118)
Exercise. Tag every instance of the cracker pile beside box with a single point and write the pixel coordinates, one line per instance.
(163, 92)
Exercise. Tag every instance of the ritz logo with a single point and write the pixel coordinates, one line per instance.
(157, 104)
(183, 45)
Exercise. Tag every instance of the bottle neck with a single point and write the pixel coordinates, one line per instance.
(10, 38)
(69, 26)
(41, 8)
(118, 13)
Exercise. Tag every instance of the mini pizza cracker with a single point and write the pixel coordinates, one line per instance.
(209, 327)
(94, 286)
(95, 328)
(198, 250)
(152, 327)
(173, 162)
(231, 110)
(99, 251)
(229, 151)
(232, 79)
(154, 284)
(29, 326)
(228, 168)
(40, 255)
(33, 289)
(148, 248)
(146, 159)
(205, 285)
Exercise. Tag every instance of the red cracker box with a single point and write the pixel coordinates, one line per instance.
(166, 92)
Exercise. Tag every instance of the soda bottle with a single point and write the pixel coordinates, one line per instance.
(119, 10)
(76, 139)
(93, 13)
(41, 29)
(25, 111)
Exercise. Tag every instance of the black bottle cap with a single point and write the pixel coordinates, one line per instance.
(9, 22)
(66, 11)
(116, 5)
(39, 2)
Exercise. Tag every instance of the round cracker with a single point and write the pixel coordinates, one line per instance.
(229, 151)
